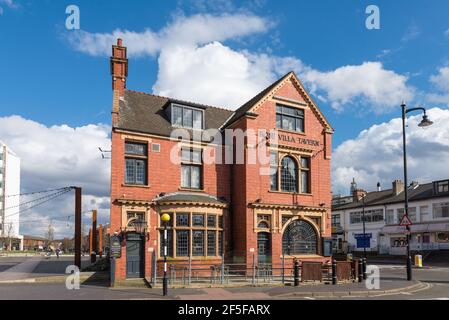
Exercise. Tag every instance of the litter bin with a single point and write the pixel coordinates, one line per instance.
(418, 260)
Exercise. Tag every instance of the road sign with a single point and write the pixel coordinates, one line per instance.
(405, 221)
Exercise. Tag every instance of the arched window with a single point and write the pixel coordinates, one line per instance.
(289, 175)
(299, 238)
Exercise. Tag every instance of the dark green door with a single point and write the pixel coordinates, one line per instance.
(134, 256)
(263, 247)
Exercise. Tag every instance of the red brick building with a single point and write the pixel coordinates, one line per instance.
(223, 209)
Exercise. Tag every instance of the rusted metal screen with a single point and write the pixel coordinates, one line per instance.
(311, 271)
(344, 270)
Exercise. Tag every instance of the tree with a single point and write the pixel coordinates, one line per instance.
(9, 235)
(50, 233)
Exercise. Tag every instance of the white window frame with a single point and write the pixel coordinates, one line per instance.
(187, 107)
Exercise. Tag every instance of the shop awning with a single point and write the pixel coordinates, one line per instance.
(417, 228)
(433, 227)
(393, 229)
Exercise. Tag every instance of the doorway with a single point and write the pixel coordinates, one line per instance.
(263, 248)
(134, 256)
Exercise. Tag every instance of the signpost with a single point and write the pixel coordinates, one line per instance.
(405, 221)
(363, 240)
(116, 252)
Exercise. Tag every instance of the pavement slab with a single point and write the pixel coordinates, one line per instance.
(21, 270)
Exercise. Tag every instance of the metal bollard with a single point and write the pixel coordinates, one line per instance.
(296, 273)
(360, 262)
(364, 268)
(334, 272)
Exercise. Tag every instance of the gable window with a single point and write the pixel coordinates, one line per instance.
(187, 117)
(288, 118)
(136, 163)
(191, 167)
(289, 175)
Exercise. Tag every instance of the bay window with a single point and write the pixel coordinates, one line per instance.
(193, 234)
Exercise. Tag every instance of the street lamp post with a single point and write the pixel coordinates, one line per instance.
(165, 219)
(424, 123)
(364, 236)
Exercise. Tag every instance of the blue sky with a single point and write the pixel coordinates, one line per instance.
(57, 82)
(45, 80)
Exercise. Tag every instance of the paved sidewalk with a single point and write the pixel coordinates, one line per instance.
(21, 271)
(304, 290)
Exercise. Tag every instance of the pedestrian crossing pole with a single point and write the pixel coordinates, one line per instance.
(93, 251)
(77, 226)
(100, 241)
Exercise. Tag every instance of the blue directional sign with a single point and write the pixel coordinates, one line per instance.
(363, 240)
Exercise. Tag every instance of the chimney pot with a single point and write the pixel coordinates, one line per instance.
(398, 187)
(119, 42)
(358, 194)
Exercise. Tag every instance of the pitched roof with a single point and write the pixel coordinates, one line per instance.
(249, 104)
(259, 98)
(188, 197)
(376, 198)
(145, 113)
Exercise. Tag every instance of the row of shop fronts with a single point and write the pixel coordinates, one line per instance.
(428, 211)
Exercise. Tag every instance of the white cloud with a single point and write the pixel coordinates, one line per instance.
(441, 80)
(441, 83)
(381, 89)
(376, 154)
(446, 33)
(8, 3)
(215, 74)
(194, 30)
(59, 156)
(191, 50)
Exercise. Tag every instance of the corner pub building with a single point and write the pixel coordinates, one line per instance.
(218, 211)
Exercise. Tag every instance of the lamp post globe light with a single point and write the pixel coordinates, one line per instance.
(165, 219)
(425, 122)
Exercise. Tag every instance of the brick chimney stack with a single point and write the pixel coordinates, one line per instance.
(398, 187)
(358, 194)
(119, 72)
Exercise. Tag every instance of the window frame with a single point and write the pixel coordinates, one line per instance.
(183, 108)
(136, 158)
(191, 163)
(206, 230)
(296, 117)
(277, 166)
(295, 178)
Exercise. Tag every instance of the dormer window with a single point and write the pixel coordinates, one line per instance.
(186, 117)
(441, 187)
